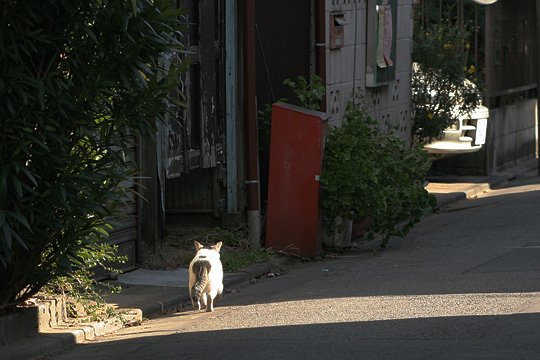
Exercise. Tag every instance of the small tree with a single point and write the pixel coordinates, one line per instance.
(442, 83)
(79, 80)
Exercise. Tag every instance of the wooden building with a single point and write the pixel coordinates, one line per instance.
(204, 166)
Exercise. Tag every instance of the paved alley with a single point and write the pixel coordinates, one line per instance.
(464, 284)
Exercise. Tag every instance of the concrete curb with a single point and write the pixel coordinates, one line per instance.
(476, 188)
(445, 199)
(62, 336)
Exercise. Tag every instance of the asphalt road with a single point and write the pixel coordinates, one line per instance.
(465, 284)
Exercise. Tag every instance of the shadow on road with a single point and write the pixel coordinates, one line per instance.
(423, 338)
(489, 244)
(463, 284)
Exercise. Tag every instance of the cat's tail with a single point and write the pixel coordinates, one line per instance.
(201, 269)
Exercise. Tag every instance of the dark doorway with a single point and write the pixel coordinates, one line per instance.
(283, 46)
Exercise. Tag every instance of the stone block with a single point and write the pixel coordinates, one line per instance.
(12, 327)
(341, 5)
(31, 320)
(356, 20)
(405, 21)
(341, 64)
(403, 56)
(43, 316)
(404, 81)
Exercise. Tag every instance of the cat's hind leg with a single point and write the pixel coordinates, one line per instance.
(203, 301)
(209, 302)
(219, 294)
(196, 303)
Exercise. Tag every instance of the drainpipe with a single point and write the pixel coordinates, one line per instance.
(538, 79)
(231, 23)
(250, 126)
(320, 45)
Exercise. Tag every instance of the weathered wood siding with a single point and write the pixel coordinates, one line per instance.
(196, 137)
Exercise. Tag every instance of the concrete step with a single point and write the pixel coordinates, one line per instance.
(44, 328)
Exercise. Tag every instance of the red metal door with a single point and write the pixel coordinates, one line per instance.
(296, 151)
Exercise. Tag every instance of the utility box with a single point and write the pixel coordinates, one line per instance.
(337, 31)
(296, 153)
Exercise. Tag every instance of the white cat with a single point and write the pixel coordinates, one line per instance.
(205, 276)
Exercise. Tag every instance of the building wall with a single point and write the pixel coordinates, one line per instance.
(513, 134)
(346, 67)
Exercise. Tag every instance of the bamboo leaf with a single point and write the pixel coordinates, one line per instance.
(41, 95)
(18, 187)
(134, 7)
(88, 31)
(29, 175)
(6, 230)
(21, 219)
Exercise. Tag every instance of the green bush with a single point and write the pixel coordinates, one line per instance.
(371, 175)
(310, 93)
(79, 80)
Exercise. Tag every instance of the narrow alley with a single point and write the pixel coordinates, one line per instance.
(464, 284)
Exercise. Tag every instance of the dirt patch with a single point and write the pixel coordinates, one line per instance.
(178, 248)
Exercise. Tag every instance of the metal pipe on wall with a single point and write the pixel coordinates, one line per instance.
(537, 78)
(250, 125)
(320, 44)
(231, 63)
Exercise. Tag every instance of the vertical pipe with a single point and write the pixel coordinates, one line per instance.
(537, 74)
(320, 44)
(250, 125)
(476, 36)
(230, 102)
(460, 15)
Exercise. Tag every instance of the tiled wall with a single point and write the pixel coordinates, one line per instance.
(346, 68)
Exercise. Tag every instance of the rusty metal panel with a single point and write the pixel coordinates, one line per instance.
(296, 153)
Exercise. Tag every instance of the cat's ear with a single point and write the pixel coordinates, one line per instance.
(198, 245)
(217, 247)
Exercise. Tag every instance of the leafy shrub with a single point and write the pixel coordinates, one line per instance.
(236, 252)
(236, 260)
(310, 93)
(83, 296)
(79, 79)
(371, 175)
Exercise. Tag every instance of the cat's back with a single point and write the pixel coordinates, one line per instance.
(209, 256)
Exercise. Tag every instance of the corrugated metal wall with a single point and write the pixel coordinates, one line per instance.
(510, 46)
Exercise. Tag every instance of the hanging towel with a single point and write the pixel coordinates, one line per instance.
(384, 36)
